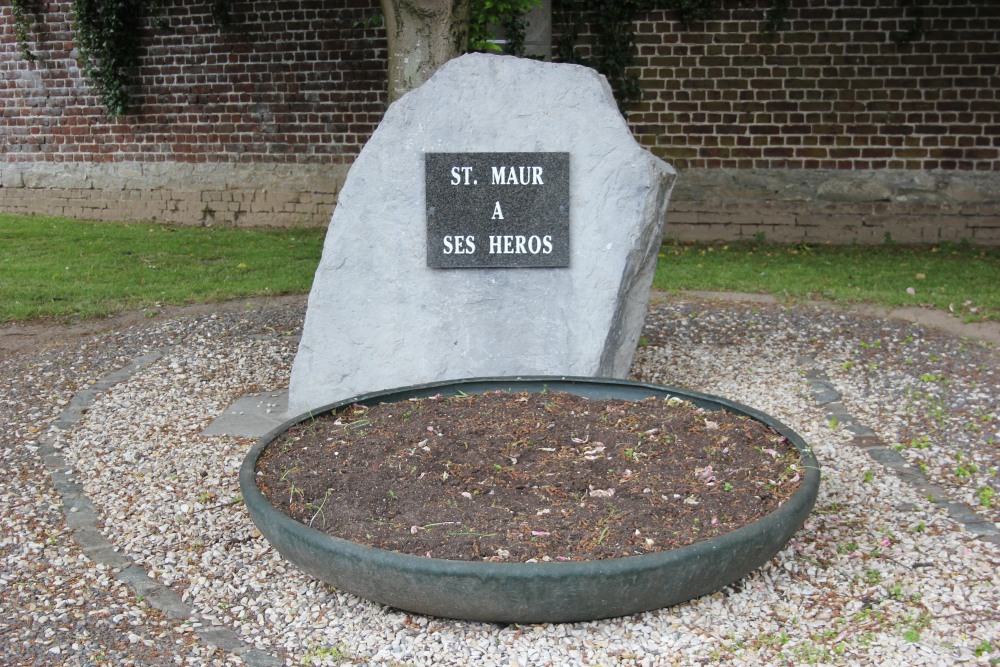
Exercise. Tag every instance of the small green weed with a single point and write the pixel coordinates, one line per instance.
(914, 624)
(811, 653)
(318, 511)
(326, 653)
(872, 577)
(777, 640)
(966, 470)
(847, 548)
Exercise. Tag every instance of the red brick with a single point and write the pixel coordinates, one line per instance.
(830, 91)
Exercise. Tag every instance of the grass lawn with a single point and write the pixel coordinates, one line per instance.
(65, 269)
(54, 268)
(960, 278)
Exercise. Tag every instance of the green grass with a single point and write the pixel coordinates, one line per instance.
(53, 268)
(962, 278)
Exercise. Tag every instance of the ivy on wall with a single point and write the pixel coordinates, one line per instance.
(508, 15)
(23, 12)
(106, 32)
(613, 49)
(108, 36)
(486, 17)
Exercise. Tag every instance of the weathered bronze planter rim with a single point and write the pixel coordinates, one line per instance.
(534, 592)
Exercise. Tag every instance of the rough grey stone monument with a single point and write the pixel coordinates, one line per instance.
(501, 221)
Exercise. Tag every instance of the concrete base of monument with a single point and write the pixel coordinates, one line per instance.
(252, 416)
(534, 592)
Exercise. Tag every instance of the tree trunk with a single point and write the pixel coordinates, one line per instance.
(422, 35)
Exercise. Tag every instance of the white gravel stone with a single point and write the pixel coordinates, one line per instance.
(878, 575)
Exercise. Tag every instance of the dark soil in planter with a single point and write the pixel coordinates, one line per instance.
(516, 477)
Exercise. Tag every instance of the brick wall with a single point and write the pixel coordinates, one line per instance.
(287, 86)
(827, 130)
(831, 91)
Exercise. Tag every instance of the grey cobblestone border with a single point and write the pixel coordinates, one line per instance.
(83, 519)
(828, 398)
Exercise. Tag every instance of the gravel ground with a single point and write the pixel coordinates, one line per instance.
(896, 566)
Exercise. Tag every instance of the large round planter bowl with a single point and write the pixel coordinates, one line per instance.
(534, 592)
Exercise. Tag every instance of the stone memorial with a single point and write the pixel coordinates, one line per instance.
(501, 221)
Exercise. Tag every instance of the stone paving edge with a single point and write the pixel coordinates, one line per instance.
(83, 520)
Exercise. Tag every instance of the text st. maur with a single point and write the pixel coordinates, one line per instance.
(495, 210)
